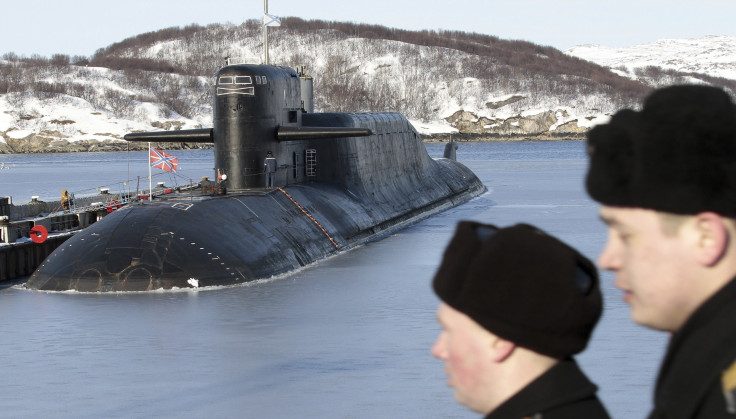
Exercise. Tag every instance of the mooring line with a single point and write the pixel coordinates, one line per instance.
(310, 216)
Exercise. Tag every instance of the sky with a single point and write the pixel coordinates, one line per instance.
(80, 27)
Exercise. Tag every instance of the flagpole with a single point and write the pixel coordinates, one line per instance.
(265, 32)
(127, 181)
(150, 184)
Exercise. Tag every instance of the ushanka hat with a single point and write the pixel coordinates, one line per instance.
(676, 155)
(522, 285)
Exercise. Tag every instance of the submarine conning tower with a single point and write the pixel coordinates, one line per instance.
(251, 103)
(257, 108)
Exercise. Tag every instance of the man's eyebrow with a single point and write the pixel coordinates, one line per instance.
(608, 220)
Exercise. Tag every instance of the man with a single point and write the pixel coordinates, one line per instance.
(269, 166)
(65, 200)
(516, 305)
(666, 179)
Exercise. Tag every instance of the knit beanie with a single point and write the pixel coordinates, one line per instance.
(676, 155)
(522, 285)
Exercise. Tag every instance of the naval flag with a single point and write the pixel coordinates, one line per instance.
(163, 161)
(271, 20)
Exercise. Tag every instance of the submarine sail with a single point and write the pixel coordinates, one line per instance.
(340, 179)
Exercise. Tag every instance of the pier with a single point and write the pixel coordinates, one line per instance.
(18, 260)
(20, 254)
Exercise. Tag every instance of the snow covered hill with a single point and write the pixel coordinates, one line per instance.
(711, 55)
(448, 82)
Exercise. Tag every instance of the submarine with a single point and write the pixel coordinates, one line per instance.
(341, 179)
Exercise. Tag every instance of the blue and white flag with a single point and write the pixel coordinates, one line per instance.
(271, 20)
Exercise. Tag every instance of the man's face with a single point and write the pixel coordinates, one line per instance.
(465, 347)
(653, 269)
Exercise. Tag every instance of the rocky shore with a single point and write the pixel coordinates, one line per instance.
(41, 145)
(31, 146)
(468, 137)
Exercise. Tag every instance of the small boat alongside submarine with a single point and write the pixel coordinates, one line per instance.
(342, 179)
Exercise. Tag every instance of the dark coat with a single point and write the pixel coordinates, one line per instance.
(700, 353)
(563, 392)
(269, 165)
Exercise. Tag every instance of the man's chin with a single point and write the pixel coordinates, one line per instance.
(643, 320)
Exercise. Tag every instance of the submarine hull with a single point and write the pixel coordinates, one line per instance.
(183, 242)
(340, 179)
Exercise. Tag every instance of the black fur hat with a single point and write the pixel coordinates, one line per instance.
(522, 285)
(676, 155)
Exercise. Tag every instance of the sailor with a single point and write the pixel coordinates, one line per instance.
(517, 304)
(269, 166)
(666, 181)
(65, 200)
(208, 186)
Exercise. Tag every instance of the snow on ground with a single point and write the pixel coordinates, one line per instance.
(712, 55)
(431, 128)
(76, 119)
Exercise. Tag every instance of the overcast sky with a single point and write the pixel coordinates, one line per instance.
(80, 27)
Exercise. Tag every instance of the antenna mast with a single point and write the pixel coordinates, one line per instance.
(265, 33)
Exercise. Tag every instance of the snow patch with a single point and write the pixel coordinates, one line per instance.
(18, 134)
(431, 128)
(711, 55)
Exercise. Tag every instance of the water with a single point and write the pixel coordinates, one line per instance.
(348, 337)
(46, 175)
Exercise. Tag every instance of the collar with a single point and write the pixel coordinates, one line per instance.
(564, 383)
(697, 354)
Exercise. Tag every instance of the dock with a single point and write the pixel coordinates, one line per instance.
(21, 248)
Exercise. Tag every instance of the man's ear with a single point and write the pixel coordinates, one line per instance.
(713, 238)
(502, 349)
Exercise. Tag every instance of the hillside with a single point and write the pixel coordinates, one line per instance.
(710, 59)
(445, 82)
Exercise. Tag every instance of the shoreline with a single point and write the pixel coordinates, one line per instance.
(484, 137)
(111, 146)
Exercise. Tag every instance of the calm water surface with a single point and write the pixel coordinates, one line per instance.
(348, 337)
